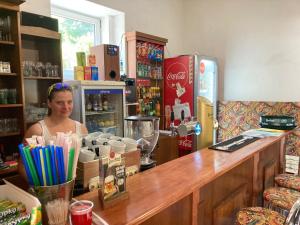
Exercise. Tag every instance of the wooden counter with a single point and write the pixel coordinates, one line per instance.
(205, 187)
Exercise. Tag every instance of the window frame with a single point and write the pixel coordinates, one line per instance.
(65, 13)
(56, 11)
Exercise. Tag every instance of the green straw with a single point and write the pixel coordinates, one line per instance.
(71, 163)
(31, 166)
(48, 165)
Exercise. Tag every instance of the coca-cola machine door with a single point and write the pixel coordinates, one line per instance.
(179, 93)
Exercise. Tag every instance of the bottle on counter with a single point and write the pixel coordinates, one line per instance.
(157, 108)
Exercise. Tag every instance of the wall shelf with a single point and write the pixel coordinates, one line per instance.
(7, 43)
(99, 113)
(9, 134)
(10, 105)
(145, 54)
(39, 32)
(8, 74)
(42, 78)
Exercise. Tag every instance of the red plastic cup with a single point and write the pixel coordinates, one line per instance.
(81, 212)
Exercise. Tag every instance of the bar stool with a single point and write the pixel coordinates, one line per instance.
(263, 216)
(280, 199)
(288, 180)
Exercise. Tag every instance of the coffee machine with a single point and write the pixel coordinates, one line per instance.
(145, 130)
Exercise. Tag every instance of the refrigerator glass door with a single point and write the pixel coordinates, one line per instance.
(103, 110)
(206, 88)
(207, 80)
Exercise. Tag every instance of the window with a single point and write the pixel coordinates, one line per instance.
(78, 33)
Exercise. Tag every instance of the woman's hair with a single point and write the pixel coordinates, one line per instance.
(54, 88)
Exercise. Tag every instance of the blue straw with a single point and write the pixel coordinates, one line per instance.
(39, 166)
(62, 165)
(58, 163)
(53, 165)
(29, 176)
(36, 162)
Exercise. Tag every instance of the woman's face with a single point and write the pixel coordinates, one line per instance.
(62, 104)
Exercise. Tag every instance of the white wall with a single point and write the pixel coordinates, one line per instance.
(157, 17)
(256, 42)
(41, 7)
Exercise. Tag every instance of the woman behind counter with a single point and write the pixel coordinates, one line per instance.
(60, 106)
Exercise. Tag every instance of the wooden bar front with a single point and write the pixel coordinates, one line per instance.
(205, 187)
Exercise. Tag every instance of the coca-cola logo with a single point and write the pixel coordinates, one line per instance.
(176, 76)
(176, 73)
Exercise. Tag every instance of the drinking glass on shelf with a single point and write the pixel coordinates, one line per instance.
(55, 71)
(48, 69)
(39, 67)
(31, 68)
(2, 126)
(12, 96)
(24, 68)
(3, 96)
(8, 125)
(14, 124)
(27, 67)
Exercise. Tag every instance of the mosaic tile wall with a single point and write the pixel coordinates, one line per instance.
(235, 117)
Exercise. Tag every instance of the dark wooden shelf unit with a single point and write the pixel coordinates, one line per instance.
(39, 45)
(10, 51)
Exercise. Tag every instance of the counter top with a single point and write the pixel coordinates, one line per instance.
(154, 190)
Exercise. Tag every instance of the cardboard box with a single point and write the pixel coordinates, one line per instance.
(15, 194)
(94, 71)
(87, 73)
(78, 73)
(88, 170)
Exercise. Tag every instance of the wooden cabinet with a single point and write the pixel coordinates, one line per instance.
(166, 149)
(41, 67)
(145, 54)
(11, 81)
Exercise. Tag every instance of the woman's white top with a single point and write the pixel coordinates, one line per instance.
(47, 135)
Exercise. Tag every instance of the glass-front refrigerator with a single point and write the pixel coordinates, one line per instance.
(100, 105)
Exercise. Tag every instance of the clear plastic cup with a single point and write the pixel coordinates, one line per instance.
(81, 212)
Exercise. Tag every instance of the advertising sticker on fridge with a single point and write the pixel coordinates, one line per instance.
(179, 93)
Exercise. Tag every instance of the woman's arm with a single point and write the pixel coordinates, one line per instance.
(35, 129)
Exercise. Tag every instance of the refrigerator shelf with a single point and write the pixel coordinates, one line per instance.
(108, 127)
(99, 113)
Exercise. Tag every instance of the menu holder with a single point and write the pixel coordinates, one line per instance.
(112, 180)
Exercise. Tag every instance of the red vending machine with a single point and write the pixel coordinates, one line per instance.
(190, 85)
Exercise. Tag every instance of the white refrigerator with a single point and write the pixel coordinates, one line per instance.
(100, 105)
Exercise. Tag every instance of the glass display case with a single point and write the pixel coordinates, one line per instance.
(100, 105)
